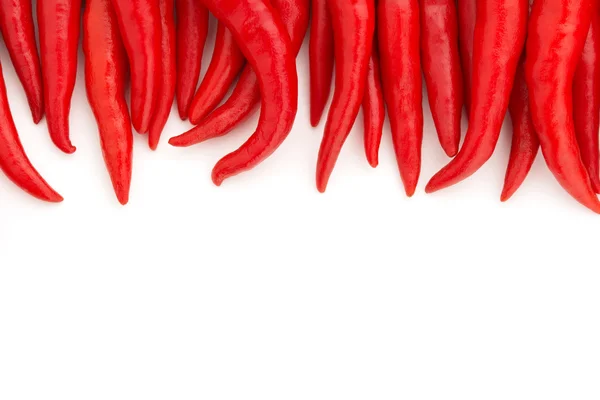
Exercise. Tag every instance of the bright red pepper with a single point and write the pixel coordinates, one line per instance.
(353, 24)
(467, 15)
(226, 64)
(246, 95)
(58, 24)
(373, 109)
(168, 75)
(16, 24)
(139, 23)
(13, 160)
(105, 79)
(192, 29)
(442, 69)
(499, 38)
(399, 46)
(258, 30)
(586, 100)
(556, 37)
(320, 60)
(525, 144)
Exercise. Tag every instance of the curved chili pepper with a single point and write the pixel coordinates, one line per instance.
(261, 35)
(353, 24)
(58, 24)
(467, 15)
(525, 144)
(321, 57)
(192, 29)
(373, 109)
(246, 95)
(556, 36)
(498, 44)
(16, 24)
(442, 69)
(226, 63)
(398, 32)
(586, 101)
(139, 23)
(13, 160)
(168, 75)
(105, 78)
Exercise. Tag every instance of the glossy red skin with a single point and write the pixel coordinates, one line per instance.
(586, 101)
(246, 95)
(373, 109)
(139, 23)
(168, 74)
(525, 143)
(399, 47)
(13, 160)
(16, 24)
(467, 15)
(321, 57)
(226, 63)
(442, 69)
(192, 29)
(353, 24)
(499, 38)
(105, 78)
(556, 36)
(261, 35)
(58, 25)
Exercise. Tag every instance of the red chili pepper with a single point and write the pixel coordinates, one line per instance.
(139, 23)
(498, 44)
(246, 95)
(525, 144)
(227, 62)
(105, 78)
(58, 24)
(353, 24)
(14, 161)
(168, 73)
(192, 29)
(16, 24)
(442, 69)
(373, 109)
(586, 101)
(399, 46)
(556, 36)
(321, 59)
(467, 15)
(261, 35)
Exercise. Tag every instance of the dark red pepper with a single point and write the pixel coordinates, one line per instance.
(320, 60)
(139, 23)
(586, 100)
(168, 74)
(226, 64)
(58, 24)
(467, 15)
(16, 24)
(192, 29)
(105, 78)
(442, 69)
(373, 109)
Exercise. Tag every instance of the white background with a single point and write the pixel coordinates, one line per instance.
(264, 288)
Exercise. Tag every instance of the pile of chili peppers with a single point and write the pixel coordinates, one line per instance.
(537, 60)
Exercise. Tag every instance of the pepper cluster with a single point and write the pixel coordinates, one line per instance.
(538, 60)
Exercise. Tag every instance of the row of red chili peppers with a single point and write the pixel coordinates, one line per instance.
(540, 63)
